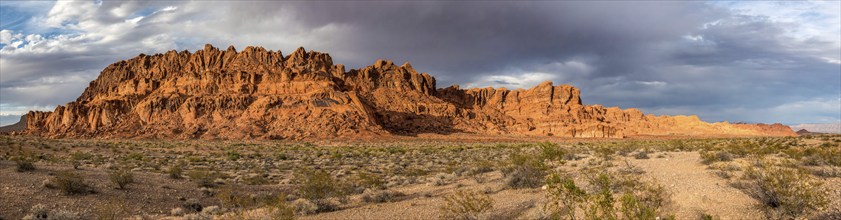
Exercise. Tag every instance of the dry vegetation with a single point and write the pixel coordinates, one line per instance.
(781, 178)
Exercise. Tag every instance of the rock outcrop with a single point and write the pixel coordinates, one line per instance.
(257, 93)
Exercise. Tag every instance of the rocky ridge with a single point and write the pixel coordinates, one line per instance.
(255, 93)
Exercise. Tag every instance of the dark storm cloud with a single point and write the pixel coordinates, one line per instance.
(663, 57)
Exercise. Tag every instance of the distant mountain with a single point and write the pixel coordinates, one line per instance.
(9, 119)
(257, 93)
(831, 128)
(19, 126)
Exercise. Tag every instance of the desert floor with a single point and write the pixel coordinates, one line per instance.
(428, 177)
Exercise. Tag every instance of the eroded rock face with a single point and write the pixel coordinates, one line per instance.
(262, 94)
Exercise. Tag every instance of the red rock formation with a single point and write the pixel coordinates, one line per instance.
(263, 94)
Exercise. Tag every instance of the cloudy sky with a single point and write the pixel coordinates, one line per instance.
(735, 61)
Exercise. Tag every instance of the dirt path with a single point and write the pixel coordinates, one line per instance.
(696, 189)
(425, 201)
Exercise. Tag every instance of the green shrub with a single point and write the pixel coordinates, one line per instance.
(786, 193)
(369, 180)
(121, 177)
(316, 185)
(135, 156)
(70, 182)
(525, 171)
(81, 156)
(639, 199)
(232, 155)
(709, 157)
(466, 205)
(601, 202)
(551, 151)
(564, 197)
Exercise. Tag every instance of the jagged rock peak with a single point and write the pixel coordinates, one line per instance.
(259, 93)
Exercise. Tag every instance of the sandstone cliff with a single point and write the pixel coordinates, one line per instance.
(257, 93)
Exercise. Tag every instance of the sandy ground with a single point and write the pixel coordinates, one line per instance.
(695, 190)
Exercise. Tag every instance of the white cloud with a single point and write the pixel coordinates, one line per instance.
(8, 36)
(522, 80)
(652, 83)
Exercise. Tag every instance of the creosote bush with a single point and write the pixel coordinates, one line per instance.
(465, 205)
(564, 196)
(70, 182)
(524, 171)
(709, 157)
(609, 196)
(786, 193)
(318, 185)
(551, 151)
(121, 177)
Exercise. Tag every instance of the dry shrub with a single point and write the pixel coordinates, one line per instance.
(304, 207)
(234, 198)
(112, 209)
(39, 211)
(279, 209)
(176, 171)
(465, 205)
(204, 178)
(381, 196)
(23, 164)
